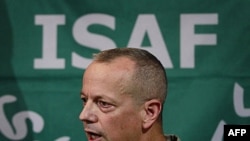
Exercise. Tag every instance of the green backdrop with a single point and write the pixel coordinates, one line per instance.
(45, 46)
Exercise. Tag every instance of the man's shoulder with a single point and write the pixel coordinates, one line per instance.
(172, 137)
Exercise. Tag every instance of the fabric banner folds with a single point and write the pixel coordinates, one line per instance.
(46, 45)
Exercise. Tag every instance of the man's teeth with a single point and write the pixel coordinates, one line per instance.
(94, 136)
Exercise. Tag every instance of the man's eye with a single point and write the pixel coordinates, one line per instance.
(103, 104)
(84, 100)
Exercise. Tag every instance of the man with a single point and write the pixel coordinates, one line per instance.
(123, 93)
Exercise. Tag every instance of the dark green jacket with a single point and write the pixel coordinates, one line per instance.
(172, 138)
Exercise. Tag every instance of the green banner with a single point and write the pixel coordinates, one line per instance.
(46, 45)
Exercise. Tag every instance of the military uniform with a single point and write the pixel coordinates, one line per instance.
(172, 138)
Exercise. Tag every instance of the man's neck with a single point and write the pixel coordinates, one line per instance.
(155, 133)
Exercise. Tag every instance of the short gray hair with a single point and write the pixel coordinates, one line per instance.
(149, 80)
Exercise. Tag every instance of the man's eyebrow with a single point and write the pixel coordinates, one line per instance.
(82, 93)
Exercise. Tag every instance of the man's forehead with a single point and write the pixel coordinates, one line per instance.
(114, 75)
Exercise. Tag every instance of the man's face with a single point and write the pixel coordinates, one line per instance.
(109, 115)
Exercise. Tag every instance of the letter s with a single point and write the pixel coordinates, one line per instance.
(84, 37)
(18, 121)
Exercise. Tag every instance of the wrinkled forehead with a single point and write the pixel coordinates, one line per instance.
(107, 78)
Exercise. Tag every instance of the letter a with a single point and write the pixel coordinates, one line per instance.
(231, 132)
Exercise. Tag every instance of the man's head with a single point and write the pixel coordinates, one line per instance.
(123, 92)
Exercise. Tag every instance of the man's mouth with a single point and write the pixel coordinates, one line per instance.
(93, 136)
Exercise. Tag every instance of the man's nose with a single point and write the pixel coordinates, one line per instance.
(88, 113)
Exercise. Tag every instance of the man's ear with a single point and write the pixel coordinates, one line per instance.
(151, 112)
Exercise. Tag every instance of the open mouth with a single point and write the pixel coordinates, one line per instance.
(92, 136)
